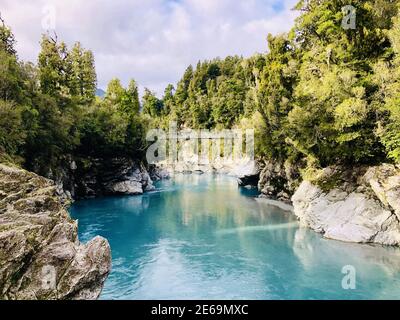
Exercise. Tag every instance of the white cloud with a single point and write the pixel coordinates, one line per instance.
(152, 41)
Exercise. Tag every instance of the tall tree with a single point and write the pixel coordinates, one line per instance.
(54, 71)
(168, 99)
(11, 78)
(115, 91)
(7, 39)
(151, 104)
(133, 97)
(274, 94)
(83, 74)
(182, 93)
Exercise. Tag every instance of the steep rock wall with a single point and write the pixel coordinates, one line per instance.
(40, 254)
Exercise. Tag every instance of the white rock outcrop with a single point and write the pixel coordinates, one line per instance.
(366, 213)
(128, 187)
(135, 183)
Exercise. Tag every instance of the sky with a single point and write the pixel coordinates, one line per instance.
(152, 41)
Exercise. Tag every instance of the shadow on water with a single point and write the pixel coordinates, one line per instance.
(249, 191)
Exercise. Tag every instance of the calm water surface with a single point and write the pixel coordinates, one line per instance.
(202, 237)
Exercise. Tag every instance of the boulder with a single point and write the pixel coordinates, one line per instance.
(40, 254)
(134, 182)
(128, 187)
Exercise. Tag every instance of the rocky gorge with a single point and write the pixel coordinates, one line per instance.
(360, 204)
(351, 204)
(40, 254)
(42, 258)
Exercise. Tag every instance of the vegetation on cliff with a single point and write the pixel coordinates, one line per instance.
(322, 95)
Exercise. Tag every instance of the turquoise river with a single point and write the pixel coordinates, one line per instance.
(202, 237)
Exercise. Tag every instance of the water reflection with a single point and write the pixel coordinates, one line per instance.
(311, 248)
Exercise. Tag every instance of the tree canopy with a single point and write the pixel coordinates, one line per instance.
(49, 110)
(322, 93)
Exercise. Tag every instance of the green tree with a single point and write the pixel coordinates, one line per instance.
(52, 133)
(7, 39)
(126, 100)
(334, 118)
(168, 99)
(228, 103)
(181, 95)
(274, 94)
(11, 79)
(83, 82)
(54, 69)
(387, 77)
(12, 136)
(115, 91)
(103, 131)
(133, 97)
(151, 104)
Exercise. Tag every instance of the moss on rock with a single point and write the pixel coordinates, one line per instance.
(40, 256)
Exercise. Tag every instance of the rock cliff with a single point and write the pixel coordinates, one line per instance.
(279, 181)
(87, 178)
(358, 205)
(40, 254)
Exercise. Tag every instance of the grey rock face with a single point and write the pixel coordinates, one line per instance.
(157, 173)
(385, 182)
(363, 212)
(134, 182)
(87, 178)
(40, 254)
(278, 181)
(249, 177)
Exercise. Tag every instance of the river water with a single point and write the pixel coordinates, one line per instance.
(202, 237)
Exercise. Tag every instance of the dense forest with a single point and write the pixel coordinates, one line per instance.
(49, 110)
(322, 94)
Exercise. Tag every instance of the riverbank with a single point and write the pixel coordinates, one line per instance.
(83, 178)
(355, 205)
